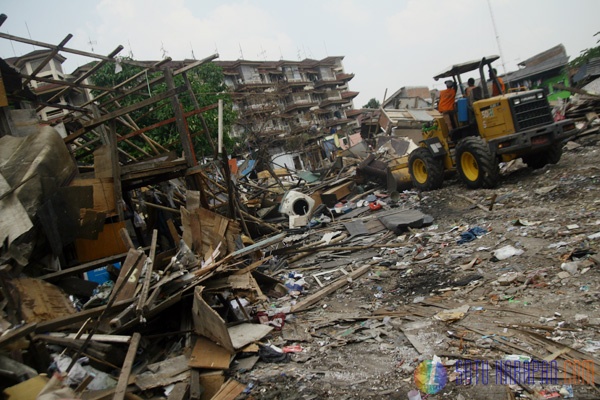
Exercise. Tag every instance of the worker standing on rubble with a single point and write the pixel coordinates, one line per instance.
(469, 89)
(446, 103)
(497, 83)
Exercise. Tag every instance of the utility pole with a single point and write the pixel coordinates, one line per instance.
(497, 36)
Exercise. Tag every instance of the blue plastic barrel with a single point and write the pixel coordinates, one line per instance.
(462, 107)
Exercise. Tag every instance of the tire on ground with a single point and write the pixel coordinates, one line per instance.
(426, 172)
(476, 164)
(539, 160)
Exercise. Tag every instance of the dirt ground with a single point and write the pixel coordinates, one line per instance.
(359, 342)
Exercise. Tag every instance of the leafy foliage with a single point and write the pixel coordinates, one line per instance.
(373, 103)
(586, 55)
(208, 86)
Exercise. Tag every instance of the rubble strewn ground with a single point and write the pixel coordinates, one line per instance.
(525, 304)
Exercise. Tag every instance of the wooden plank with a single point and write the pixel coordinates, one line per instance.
(230, 390)
(17, 334)
(103, 193)
(211, 382)
(111, 137)
(79, 269)
(148, 275)
(127, 365)
(67, 321)
(244, 334)
(208, 355)
(173, 232)
(108, 243)
(315, 297)
(126, 239)
(180, 391)
(135, 260)
(26, 390)
(208, 323)
(165, 122)
(98, 337)
(41, 301)
(122, 111)
(196, 390)
(162, 373)
(102, 163)
(253, 266)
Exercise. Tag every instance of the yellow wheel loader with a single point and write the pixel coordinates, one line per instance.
(488, 130)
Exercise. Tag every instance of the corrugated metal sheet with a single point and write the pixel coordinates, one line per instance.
(420, 115)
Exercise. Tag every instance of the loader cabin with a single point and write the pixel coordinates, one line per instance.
(465, 121)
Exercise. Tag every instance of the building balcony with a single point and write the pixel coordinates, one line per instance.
(258, 109)
(300, 127)
(289, 83)
(339, 121)
(299, 105)
(349, 95)
(275, 130)
(344, 77)
(328, 82)
(331, 101)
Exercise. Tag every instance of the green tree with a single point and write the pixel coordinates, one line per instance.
(586, 55)
(208, 85)
(373, 103)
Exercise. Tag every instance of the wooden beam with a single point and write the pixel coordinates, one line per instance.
(195, 64)
(72, 51)
(79, 269)
(166, 122)
(142, 86)
(92, 70)
(143, 296)
(184, 136)
(64, 83)
(17, 334)
(127, 366)
(63, 322)
(315, 297)
(45, 104)
(125, 110)
(126, 81)
(47, 59)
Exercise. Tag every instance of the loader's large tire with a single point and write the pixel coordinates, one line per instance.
(539, 160)
(476, 164)
(426, 172)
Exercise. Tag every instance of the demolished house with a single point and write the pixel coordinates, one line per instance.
(133, 270)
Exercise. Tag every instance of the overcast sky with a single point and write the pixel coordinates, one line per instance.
(387, 44)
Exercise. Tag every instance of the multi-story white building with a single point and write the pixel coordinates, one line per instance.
(285, 100)
(49, 91)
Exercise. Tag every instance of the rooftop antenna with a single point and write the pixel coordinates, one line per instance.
(193, 55)
(262, 53)
(91, 43)
(497, 36)
(164, 52)
(326, 51)
(29, 33)
(130, 49)
(216, 48)
(241, 52)
(11, 45)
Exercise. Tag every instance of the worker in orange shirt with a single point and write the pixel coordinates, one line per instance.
(496, 90)
(446, 103)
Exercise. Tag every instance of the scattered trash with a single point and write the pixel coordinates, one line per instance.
(506, 252)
